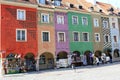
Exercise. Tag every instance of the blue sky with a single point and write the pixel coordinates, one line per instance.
(115, 3)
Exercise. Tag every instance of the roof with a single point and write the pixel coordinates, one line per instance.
(88, 5)
(75, 3)
(106, 7)
(24, 1)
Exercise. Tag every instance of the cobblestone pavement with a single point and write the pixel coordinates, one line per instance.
(102, 72)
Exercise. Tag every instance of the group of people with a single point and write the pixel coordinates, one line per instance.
(93, 59)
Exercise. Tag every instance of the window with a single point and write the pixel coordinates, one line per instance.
(60, 19)
(96, 22)
(106, 38)
(85, 37)
(45, 36)
(97, 37)
(74, 19)
(44, 18)
(21, 14)
(115, 38)
(61, 37)
(21, 35)
(113, 25)
(75, 36)
(42, 59)
(105, 24)
(41, 1)
(84, 21)
(57, 2)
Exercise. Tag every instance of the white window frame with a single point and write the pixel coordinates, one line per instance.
(21, 36)
(87, 36)
(104, 25)
(73, 18)
(48, 18)
(96, 22)
(48, 36)
(78, 36)
(105, 38)
(97, 37)
(59, 36)
(83, 22)
(61, 19)
(24, 15)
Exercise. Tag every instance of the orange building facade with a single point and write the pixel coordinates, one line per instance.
(46, 39)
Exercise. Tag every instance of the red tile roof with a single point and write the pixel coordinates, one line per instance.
(85, 5)
(106, 7)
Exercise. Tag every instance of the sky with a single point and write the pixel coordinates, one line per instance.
(115, 3)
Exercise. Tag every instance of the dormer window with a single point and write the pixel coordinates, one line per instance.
(57, 2)
(80, 7)
(26, 0)
(41, 1)
(111, 9)
(100, 10)
(71, 6)
(48, 2)
(91, 8)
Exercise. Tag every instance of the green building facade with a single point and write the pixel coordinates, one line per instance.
(80, 32)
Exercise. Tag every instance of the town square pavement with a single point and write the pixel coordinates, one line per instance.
(110, 71)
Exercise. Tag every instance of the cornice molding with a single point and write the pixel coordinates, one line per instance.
(83, 12)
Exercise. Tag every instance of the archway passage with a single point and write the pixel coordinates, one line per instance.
(62, 55)
(30, 62)
(13, 63)
(77, 53)
(62, 59)
(98, 53)
(116, 53)
(76, 58)
(46, 61)
(89, 58)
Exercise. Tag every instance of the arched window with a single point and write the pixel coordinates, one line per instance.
(42, 59)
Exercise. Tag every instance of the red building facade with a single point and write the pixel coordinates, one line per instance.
(18, 31)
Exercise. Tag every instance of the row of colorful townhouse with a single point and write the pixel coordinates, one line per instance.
(37, 32)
